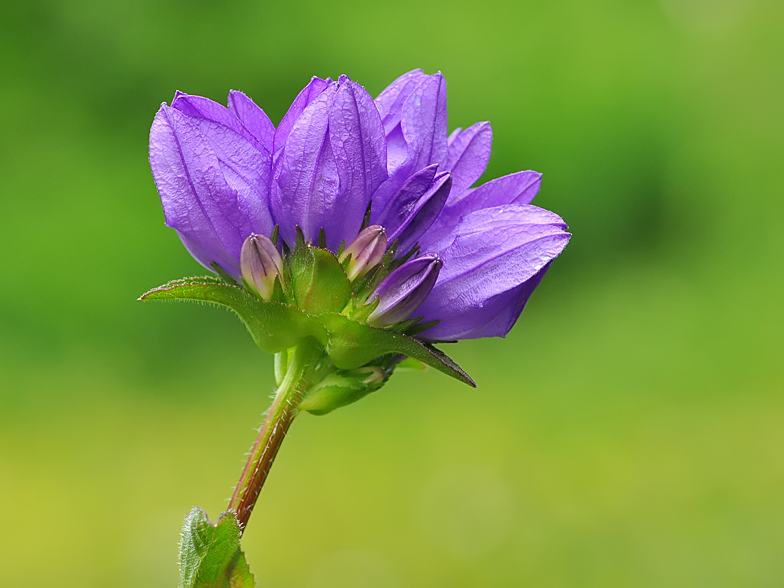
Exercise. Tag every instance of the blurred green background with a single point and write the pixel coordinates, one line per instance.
(628, 432)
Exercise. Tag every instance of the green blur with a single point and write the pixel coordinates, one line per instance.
(629, 432)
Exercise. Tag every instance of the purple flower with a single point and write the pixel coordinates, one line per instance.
(212, 166)
(494, 245)
(224, 173)
(329, 164)
(474, 255)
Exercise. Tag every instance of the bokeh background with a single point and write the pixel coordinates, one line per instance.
(628, 432)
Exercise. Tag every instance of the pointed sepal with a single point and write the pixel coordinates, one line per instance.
(318, 281)
(274, 326)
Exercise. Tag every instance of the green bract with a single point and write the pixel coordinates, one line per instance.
(319, 302)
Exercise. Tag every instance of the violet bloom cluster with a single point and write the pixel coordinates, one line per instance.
(369, 180)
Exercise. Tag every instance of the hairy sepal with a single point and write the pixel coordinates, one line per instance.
(318, 280)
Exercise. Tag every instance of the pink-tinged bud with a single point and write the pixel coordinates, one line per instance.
(261, 264)
(366, 252)
(371, 375)
(404, 290)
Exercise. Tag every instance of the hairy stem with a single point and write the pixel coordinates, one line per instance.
(279, 418)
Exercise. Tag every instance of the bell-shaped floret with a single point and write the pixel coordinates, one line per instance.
(413, 112)
(213, 177)
(493, 260)
(332, 162)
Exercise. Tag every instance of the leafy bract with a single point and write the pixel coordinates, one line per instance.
(210, 555)
(351, 344)
(274, 326)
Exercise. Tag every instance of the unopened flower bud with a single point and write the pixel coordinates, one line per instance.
(366, 251)
(404, 290)
(261, 264)
(342, 388)
(370, 375)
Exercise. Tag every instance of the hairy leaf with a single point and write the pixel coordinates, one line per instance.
(210, 555)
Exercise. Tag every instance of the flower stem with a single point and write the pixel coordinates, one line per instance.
(279, 418)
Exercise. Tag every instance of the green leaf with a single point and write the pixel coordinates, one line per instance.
(319, 282)
(351, 344)
(274, 326)
(210, 555)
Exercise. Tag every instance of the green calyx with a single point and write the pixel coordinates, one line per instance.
(314, 298)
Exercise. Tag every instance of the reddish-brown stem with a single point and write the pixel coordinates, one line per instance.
(279, 418)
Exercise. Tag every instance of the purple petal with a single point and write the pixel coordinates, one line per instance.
(512, 304)
(397, 213)
(423, 122)
(253, 118)
(425, 212)
(452, 136)
(308, 94)
(401, 292)
(494, 319)
(517, 188)
(390, 101)
(468, 154)
(201, 108)
(246, 168)
(492, 252)
(358, 144)
(413, 111)
(211, 215)
(306, 173)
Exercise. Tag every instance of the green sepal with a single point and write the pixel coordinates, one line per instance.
(351, 344)
(224, 274)
(210, 555)
(318, 282)
(274, 326)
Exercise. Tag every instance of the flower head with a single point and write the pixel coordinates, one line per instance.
(378, 192)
